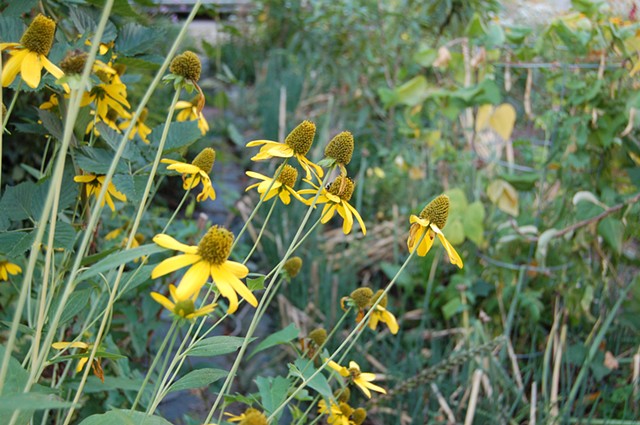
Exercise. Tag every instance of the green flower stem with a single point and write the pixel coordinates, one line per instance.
(54, 185)
(264, 226)
(348, 338)
(130, 239)
(243, 348)
(175, 213)
(171, 331)
(259, 204)
(156, 391)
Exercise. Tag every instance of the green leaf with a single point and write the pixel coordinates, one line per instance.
(181, 135)
(452, 308)
(303, 368)
(255, 284)
(111, 383)
(15, 243)
(85, 21)
(474, 222)
(455, 232)
(413, 92)
(78, 301)
(216, 346)
(124, 417)
(97, 160)
(198, 379)
(31, 401)
(115, 260)
(612, 231)
(53, 124)
(425, 57)
(273, 391)
(132, 186)
(11, 27)
(283, 336)
(120, 7)
(135, 39)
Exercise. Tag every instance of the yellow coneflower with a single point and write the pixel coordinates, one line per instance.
(381, 314)
(84, 349)
(93, 185)
(196, 172)
(251, 416)
(111, 93)
(362, 380)
(296, 144)
(29, 56)
(282, 186)
(139, 127)
(338, 413)
(182, 307)
(208, 259)
(336, 198)
(7, 268)
(51, 103)
(431, 220)
(189, 112)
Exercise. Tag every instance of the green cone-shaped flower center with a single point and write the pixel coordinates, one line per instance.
(184, 308)
(437, 211)
(205, 159)
(342, 187)
(340, 148)
(359, 415)
(301, 137)
(186, 65)
(362, 297)
(318, 336)
(215, 246)
(345, 409)
(39, 36)
(292, 266)
(288, 175)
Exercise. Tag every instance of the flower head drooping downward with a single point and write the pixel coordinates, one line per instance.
(93, 186)
(189, 112)
(430, 222)
(29, 56)
(84, 348)
(336, 198)
(282, 186)
(296, 144)
(196, 172)
(184, 308)
(381, 314)
(208, 259)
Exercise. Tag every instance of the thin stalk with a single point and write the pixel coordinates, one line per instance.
(175, 213)
(264, 226)
(134, 229)
(153, 364)
(243, 348)
(156, 392)
(348, 338)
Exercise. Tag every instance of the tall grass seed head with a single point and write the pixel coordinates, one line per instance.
(318, 336)
(340, 148)
(215, 245)
(358, 416)
(39, 35)
(301, 137)
(73, 62)
(383, 301)
(437, 211)
(288, 176)
(205, 160)
(361, 297)
(253, 417)
(342, 187)
(187, 65)
(292, 266)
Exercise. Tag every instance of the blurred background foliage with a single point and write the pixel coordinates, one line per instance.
(531, 131)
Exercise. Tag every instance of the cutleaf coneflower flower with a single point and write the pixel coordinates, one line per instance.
(430, 221)
(381, 314)
(7, 268)
(338, 413)
(208, 259)
(110, 94)
(139, 127)
(196, 172)
(336, 198)
(84, 348)
(251, 416)
(296, 144)
(29, 56)
(362, 380)
(182, 307)
(189, 112)
(93, 185)
(282, 186)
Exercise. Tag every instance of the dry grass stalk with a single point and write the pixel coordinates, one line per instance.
(473, 399)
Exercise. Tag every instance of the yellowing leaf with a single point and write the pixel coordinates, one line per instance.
(503, 119)
(505, 196)
(482, 117)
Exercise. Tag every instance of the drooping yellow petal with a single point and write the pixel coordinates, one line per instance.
(238, 269)
(193, 280)
(13, 268)
(223, 274)
(163, 301)
(31, 69)
(343, 371)
(168, 242)
(454, 258)
(427, 241)
(62, 345)
(391, 321)
(227, 291)
(347, 218)
(11, 68)
(174, 263)
(184, 168)
(51, 68)
(86, 178)
(356, 214)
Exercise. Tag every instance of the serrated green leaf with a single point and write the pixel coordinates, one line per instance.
(124, 417)
(303, 368)
(283, 336)
(132, 186)
(135, 39)
(181, 135)
(97, 160)
(116, 259)
(31, 401)
(52, 124)
(273, 392)
(15, 243)
(216, 346)
(198, 379)
(85, 21)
